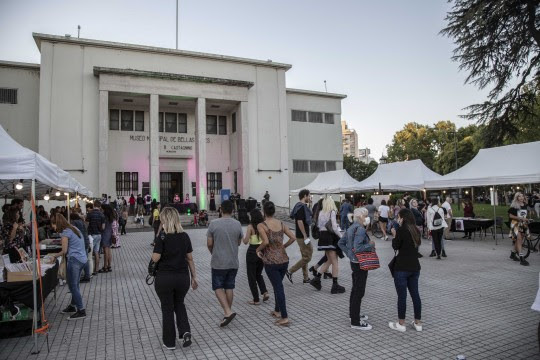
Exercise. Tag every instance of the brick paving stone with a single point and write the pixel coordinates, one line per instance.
(476, 302)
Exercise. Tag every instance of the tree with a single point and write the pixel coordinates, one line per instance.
(414, 141)
(358, 169)
(498, 43)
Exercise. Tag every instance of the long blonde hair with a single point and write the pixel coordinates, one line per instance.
(170, 220)
(329, 205)
(515, 203)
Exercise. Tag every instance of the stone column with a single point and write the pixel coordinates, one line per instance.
(200, 152)
(154, 147)
(243, 154)
(103, 144)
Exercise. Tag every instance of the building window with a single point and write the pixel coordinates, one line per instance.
(328, 118)
(213, 181)
(114, 119)
(316, 166)
(160, 120)
(170, 123)
(139, 120)
(300, 166)
(222, 125)
(233, 122)
(298, 115)
(211, 124)
(330, 165)
(182, 123)
(135, 182)
(8, 96)
(315, 117)
(127, 183)
(127, 120)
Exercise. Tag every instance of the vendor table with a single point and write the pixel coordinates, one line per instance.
(21, 292)
(471, 225)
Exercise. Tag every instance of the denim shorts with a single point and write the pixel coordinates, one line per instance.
(223, 278)
(97, 242)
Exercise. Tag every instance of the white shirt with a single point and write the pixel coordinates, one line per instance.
(431, 214)
(448, 208)
(383, 211)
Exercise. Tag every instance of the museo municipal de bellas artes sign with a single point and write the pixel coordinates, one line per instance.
(172, 145)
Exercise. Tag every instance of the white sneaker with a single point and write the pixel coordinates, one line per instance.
(417, 327)
(363, 317)
(363, 326)
(397, 326)
(170, 348)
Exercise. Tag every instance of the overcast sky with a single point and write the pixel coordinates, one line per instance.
(386, 56)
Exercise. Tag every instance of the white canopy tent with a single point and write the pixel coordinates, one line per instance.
(19, 164)
(400, 176)
(331, 182)
(503, 165)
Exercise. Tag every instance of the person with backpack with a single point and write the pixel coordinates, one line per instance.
(436, 225)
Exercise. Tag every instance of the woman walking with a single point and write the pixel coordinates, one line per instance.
(106, 238)
(275, 259)
(436, 225)
(254, 264)
(73, 249)
(383, 212)
(173, 251)
(156, 220)
(354, 241)
(407, 270)
(123, 220)
(328, 239)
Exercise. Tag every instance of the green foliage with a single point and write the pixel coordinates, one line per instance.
(358, 169)
(498, 44)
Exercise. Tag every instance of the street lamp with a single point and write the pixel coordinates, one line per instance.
(19, 185)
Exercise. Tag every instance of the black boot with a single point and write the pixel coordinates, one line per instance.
(336, 288)
(433, 253)
(443, 254)
(316, 282)
(327, 275)
(523, 262)
(514, 256)
(313, 271)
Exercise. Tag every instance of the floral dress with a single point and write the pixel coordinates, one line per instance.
(275, 252)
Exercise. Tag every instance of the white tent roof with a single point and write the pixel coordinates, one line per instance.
(20, 163)
(404, 175)
(331, 182)
(503, 165)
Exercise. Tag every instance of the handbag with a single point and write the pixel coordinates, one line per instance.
(152, 272)
(368, 260)
(315, 232)
(392, 263)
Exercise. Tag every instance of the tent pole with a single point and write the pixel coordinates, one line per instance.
(67, 200)
(34, 272)
(495, 214)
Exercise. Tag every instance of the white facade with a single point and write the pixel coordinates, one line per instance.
(84, 85)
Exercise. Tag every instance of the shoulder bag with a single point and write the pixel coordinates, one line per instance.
(392, 263)
(367, 260)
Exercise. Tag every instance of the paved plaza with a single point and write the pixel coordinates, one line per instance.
(476, 303)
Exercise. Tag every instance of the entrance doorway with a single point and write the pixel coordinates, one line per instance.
(170, 183)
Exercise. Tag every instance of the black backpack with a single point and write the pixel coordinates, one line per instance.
(437, 219)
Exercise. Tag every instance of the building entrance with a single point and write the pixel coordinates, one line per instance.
(170, 184)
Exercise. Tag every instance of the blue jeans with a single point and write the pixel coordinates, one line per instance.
(276, 273)
(404, 280)
(344, 223)
(74, 269)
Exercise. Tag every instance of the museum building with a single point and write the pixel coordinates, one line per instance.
(125, 119)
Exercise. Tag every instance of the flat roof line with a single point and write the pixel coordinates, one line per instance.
(39, 37)
(20, 65)
(315, 93)
(171, 76)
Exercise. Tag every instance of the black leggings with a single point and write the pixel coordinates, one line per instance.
(255, 267)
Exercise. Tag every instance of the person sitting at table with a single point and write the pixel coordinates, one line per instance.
(468, 212)
(13, 234)
(73, 249)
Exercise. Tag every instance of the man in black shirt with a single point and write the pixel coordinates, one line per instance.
(302, 218)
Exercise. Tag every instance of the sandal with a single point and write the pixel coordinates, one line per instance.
(282, 322)
(275, 314)
(254, 302)
(266, 297)
(227, 320)
(109, 269)
(102, 270)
